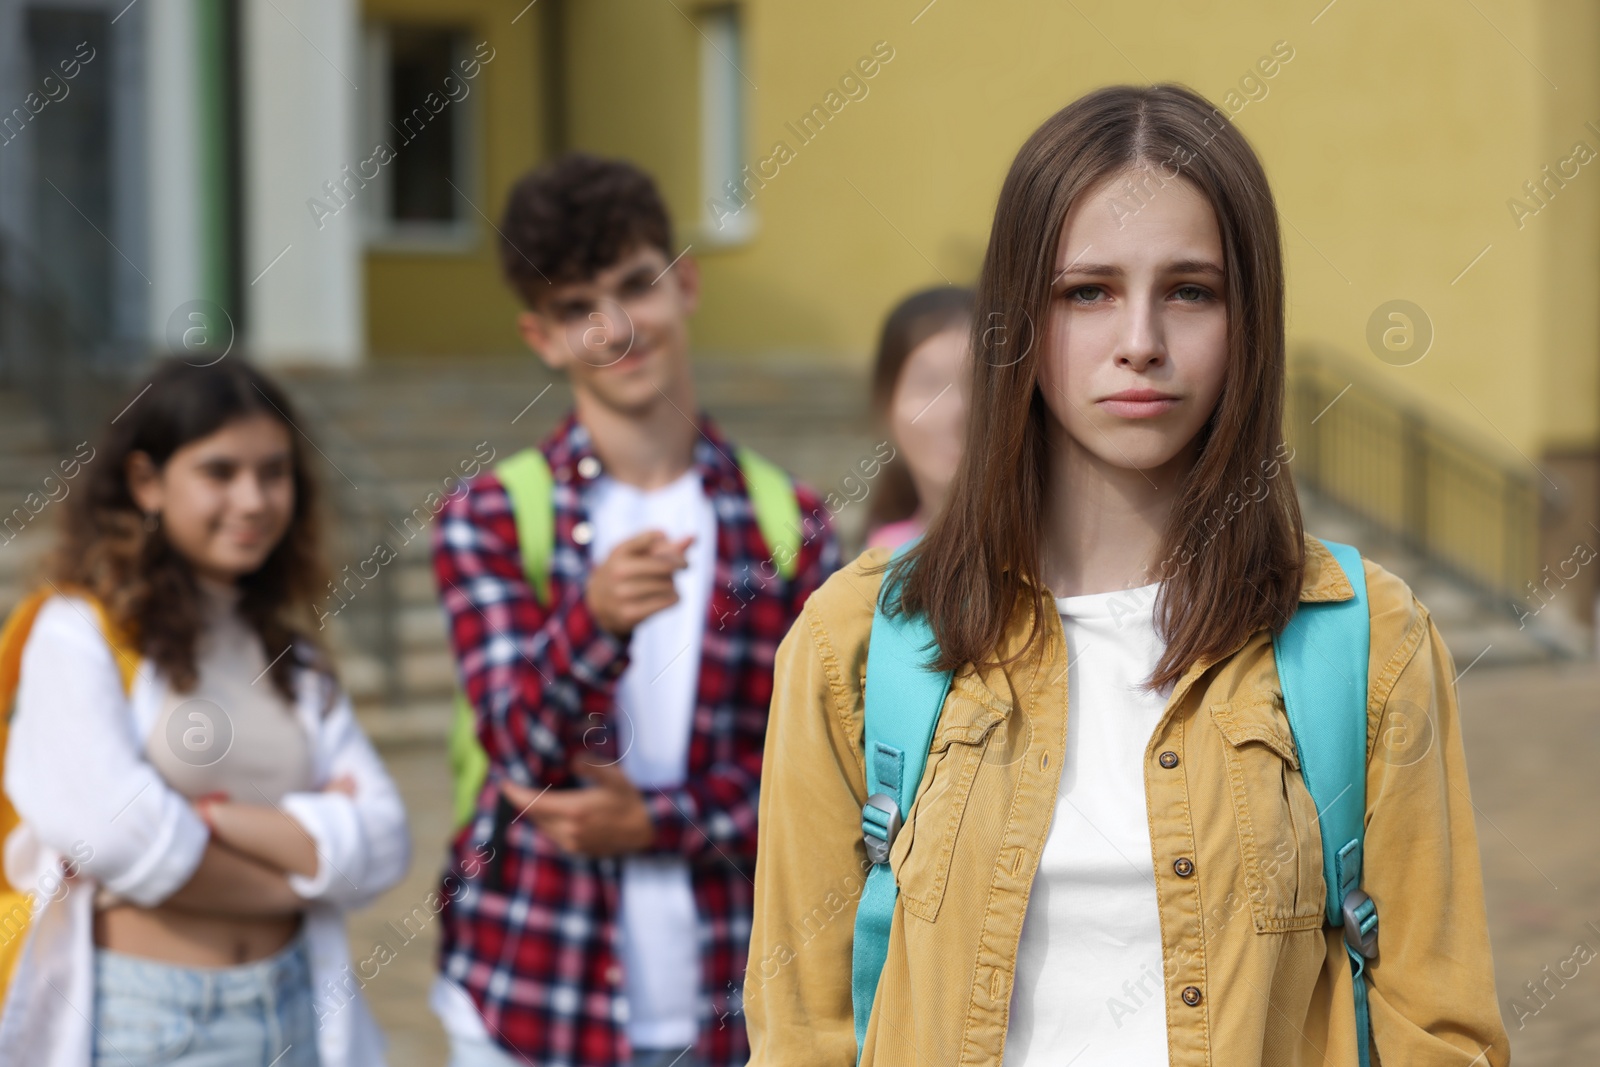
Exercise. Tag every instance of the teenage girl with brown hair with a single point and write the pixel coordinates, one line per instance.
(1113, 858)
(179, 739)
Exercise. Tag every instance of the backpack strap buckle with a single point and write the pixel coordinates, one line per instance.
(880, 825)
(1361, 923)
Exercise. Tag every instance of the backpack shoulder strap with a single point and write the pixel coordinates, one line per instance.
(469, 763)
(13, 639)
(19, 625)
(527, 480)
(776, 507)
(904, 699)
(1322, 668)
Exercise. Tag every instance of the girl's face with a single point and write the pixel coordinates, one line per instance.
(1136, 343)
(928, 414)
(225, 500)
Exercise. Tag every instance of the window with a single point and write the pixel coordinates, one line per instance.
(71, 142)
(420, 132)
(730, 214)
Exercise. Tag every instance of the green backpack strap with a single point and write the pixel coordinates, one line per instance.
(528, 482)
(776, 507)
(469, 763)
(904, 699)
(1322, 669)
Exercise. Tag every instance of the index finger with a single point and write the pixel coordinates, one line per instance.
(676, 551)
(640, 543)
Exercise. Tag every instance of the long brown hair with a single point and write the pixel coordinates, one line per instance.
(915, 319)
(148, 587)
(979, 562)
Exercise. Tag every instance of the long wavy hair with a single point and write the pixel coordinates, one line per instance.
(980, 558)
(147, 586)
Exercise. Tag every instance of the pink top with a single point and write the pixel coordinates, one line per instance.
(894, 534)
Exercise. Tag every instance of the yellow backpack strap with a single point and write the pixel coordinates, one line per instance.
(19, 624)
(528, 482)
(13, 638)
(776, 507)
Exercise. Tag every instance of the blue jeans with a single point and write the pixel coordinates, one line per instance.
(465, 1053)
(259, 1014)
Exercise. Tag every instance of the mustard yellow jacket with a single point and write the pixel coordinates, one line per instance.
(1252, 976)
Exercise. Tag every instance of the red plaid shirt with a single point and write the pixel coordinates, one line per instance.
(530, 931)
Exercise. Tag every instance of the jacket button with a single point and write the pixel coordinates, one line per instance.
(1184, 866)
(1191, 995)
(1168, 760)
(589, 467)
(583, 533)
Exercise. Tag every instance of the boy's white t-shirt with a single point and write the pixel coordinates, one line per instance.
(1088, 987)
(656, 697)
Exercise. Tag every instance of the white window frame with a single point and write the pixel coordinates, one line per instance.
(722, 125)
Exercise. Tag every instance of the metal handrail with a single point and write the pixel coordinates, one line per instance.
(1455, 500)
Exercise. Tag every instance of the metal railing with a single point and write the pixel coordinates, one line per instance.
(1449, 498)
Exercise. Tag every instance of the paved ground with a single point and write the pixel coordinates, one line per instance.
(1533, 742)
(399, 992)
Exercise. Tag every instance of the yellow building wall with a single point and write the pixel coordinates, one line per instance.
(1569, 319)
(444, 302)
(1394, 138)
(633, 91)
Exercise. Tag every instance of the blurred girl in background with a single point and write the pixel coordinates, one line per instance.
(181, 748)
(918, 391)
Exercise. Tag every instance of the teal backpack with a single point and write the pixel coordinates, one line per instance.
(1326, 702)
(528, 482)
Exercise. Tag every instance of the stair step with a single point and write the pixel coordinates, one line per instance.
(428, 671)
(421, 722)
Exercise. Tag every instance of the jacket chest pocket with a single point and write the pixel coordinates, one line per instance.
(922, 852)
(1280, 845)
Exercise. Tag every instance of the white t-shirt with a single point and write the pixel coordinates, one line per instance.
(656, 696)
(1088, 987)
(655, 711)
